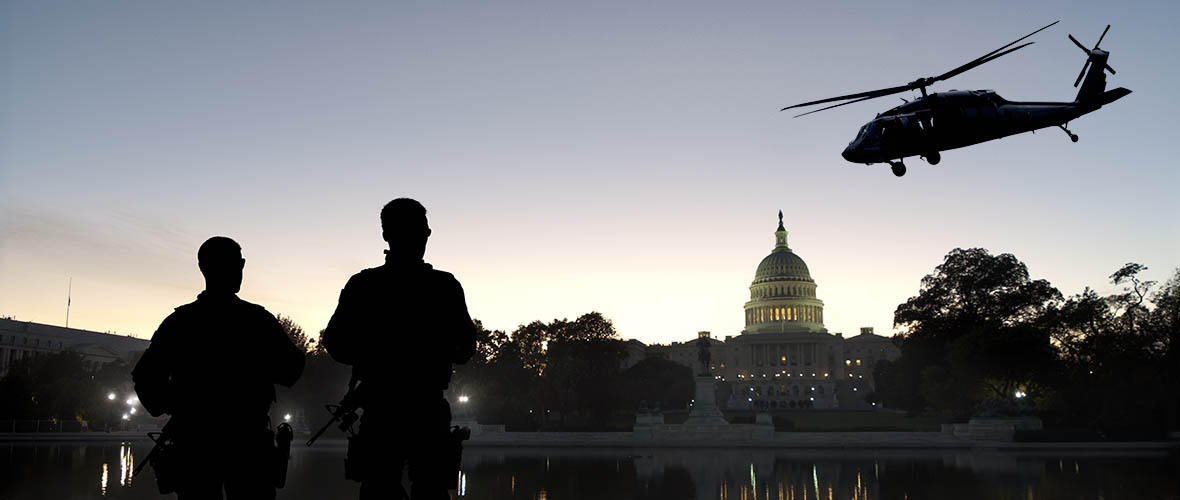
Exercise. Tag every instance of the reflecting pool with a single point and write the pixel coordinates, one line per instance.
(79, 470)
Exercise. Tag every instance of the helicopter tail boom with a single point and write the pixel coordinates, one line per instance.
(1108, 97)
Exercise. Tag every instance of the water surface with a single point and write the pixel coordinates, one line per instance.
(85, 470)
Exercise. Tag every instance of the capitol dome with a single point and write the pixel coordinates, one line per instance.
(782, 295)
(782, 264)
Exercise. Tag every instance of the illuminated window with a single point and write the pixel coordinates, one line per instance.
(858, 362)
(847, 362)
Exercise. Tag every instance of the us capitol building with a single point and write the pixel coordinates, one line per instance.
(784, 358)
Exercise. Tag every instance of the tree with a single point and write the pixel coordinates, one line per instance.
(61, 386)
(658, 380)
(582, 366)
(1116, 370)
(295, 333)
(1135, 291)
(324, 381)
(1165, 322)
(971, 333)
(529, 343)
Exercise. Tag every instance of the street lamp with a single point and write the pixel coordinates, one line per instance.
(111, 396)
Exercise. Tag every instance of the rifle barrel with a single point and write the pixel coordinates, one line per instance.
(322, 430)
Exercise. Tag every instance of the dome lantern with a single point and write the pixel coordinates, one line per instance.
(780, 236)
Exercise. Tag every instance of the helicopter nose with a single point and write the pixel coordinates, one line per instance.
(850, 154)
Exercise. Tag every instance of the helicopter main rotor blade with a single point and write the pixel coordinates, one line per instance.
(866, 95)
(990, 56)
(1079, 44)
(838, 105)
(977, 62)
(921, 83)
(1101, 37)
(1014, 42)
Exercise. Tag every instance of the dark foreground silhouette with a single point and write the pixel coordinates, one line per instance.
(401, 326)
(212, 366)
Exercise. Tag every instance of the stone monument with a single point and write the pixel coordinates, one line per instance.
(704, 407)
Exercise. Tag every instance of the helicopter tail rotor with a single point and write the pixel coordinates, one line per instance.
(1091, 56)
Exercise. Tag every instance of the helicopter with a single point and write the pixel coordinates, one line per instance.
(941, 121)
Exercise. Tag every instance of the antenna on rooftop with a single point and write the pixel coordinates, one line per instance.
(69, 296)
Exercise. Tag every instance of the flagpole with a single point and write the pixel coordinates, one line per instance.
(69, 296)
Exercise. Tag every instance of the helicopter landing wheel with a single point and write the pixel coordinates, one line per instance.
(898, 168)
(1072, 136)
(933, 158)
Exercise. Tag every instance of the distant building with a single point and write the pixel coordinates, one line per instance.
(785, 358)
(23, 339)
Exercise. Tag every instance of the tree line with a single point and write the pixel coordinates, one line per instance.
(561, 374)
(982, 338)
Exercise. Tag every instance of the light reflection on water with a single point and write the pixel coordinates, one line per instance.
(67, 470)
(126, 464)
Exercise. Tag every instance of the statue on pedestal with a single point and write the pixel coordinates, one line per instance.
(704, 357)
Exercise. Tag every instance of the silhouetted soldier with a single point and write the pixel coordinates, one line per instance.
(401, 326)
(212, 365)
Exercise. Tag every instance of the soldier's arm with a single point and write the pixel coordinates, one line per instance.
(464, 328)
(341, 329)
(152, 375)
(287, 358)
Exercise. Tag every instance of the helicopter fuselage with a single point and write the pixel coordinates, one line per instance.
(948, 120)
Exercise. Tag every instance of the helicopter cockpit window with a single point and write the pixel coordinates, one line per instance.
(863, 128)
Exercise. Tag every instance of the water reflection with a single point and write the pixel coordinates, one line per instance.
(67, 470)
(815, 474)
(126, 464)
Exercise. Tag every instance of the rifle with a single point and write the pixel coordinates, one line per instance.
(162, 461)
(160, 439)
(345, 412)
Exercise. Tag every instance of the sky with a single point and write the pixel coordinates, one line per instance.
(622, 157)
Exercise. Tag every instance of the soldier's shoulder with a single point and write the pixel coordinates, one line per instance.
(440, 276)
(183, 310)
(177, 320)
(255, 309)
(365, 277)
